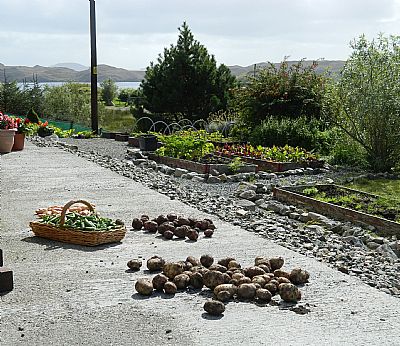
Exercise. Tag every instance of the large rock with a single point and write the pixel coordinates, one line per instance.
(246, 205)
(179, 172)
(248, 194)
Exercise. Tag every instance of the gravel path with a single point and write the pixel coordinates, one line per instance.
(346, 247)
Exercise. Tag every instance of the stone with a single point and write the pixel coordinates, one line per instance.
(198, 179)
(245, 204)
(372, 245)
(294, 215)
(386, 250)
(214, 172)
(354, 241)
(395, 246)
(213, 179)
(259, 201)
(179, 172)
(304, 217)
(248, 194)
(241, 212)
(223, 177)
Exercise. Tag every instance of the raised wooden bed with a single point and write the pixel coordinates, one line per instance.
(294, 195)
(121, 137)
(108, 135)
(202, 168)
(273, 166)
(133, 142)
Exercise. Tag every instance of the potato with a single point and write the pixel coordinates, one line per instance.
(214, 307)
(237, 276)
(181, 281)
(289, 293)
(150, 226)
(196, 280)
(281, 273)
(233, 264)
(134, 264)
(263, 295)
(271, 287)
(183, 221)
(203, 271)
(180, 232)
(253, 271)
(276, 263)
(244, 280)
(299, 276)
(192, 221)
(223, 296)
(264, 267)
(218, 267)
(144, 286)
(173, 269)
(283, 280)
(137, 224)
(166, 226)
(202, 224)
(155, 263)
(208, 233)
(246, 291)
(172, 217)
(170, 288)
(168, 235)
(259, 279)
(274, 282)
(159, 281)
(213, 278)
(261, 260)
(234, 282)
(206, 260)
(193, 260)
(227, 278)
(145, 218)
(192, 235)
(161, 219)
(226, 287)
(225, 261)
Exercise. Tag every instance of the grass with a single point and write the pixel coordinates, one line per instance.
(387, 188)
(118, 121)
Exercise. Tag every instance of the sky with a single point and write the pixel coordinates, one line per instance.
(132, 33)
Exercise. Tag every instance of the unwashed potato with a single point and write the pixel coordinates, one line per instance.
(166, 226)
(180, 232)
(192, 235)
(232, 289)
(150, 226)
(299, 276)
(206, 260)
(144, 286)
(214, 307)
(181, 281)
(208, 233)
(159, 281)
(168, 234)
(161, 219)
(271, 287)
(134, 264)
(259, 279)
(173, 269)
(137, 224)
(283, 280)
(263, 295)
(253, 271)
(213, 278)
(225, 261)
(170, 288)
(193, 260)
(155, 263)
(281, 273)
(218, 267)
(276, 263)
(246, 291)
(289, 293)
(196, 280)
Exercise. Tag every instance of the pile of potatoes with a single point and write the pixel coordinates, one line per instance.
(228, 280)
(172, 225)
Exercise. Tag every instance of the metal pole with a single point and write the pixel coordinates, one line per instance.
(93, 68)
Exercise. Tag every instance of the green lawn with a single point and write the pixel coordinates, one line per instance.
(118, 121)
(382, 187)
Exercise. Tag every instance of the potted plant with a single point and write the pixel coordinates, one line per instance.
(44, 130)
(7, 132)
(23, 129)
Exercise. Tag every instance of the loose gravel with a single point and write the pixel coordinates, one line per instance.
(351, 249)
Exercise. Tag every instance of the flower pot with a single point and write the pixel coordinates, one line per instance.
(148, 143)
(6, 140)
(19, 142)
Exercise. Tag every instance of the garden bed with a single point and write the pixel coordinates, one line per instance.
(204, 167)
(344, 204)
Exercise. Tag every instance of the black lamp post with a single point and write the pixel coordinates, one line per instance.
(93, 68)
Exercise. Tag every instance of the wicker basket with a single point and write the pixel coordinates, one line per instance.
(77, 236)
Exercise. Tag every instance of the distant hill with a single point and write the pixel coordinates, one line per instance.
(71, 65)
(62, 73)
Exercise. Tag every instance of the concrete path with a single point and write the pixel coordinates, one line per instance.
(70, 295)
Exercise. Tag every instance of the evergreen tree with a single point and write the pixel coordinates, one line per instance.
(186, 81)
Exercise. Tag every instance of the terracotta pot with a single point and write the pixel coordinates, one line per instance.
(19, 142)
(6, 140)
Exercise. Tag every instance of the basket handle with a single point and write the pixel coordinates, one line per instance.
(70, 203)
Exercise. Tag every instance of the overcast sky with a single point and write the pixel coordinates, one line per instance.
(131, 33)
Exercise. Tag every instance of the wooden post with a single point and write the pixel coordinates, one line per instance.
(93, 68)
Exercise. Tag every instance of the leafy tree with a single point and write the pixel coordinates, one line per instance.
(108, 91)
(289, 91)
(127, 95)
(186, 81)
(365, 102)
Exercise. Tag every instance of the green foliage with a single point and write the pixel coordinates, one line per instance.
(108, 91)
(186, 81)
(347, 152)
(189, 145)
(62, 133)
(128, 95)
(235, 165)
(365, 102)
(118, 121)
(310, 191)
(289, 91)
(32, 116)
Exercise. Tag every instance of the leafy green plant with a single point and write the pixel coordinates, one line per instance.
(235, 165)
(310, 191)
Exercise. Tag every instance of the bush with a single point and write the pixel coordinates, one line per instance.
(347, 152)
(108, 91)
(300, 132)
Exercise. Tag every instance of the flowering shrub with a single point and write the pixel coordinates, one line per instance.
(23, 126)
(6, 122)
